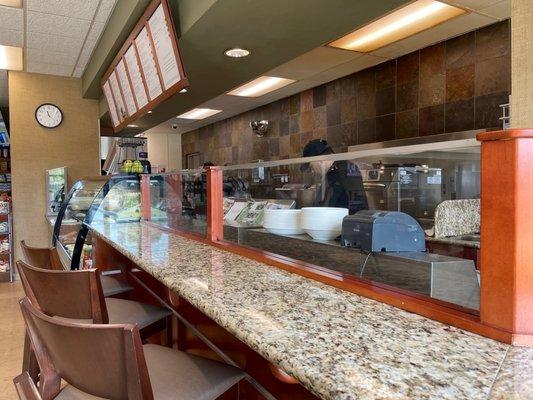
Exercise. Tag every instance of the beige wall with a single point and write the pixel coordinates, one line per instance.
(74, 144)
(164, 149)
(522, 63)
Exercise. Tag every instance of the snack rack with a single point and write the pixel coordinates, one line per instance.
(6, 242)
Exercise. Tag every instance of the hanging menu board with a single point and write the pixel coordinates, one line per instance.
(147, 69)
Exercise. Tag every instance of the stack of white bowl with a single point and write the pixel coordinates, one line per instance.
(283, 222)
(323, 223)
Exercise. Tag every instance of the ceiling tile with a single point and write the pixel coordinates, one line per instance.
(78, 72)
(473, 4)
(36, 40)
(57, 25)
(50, 69)
(95, 31)
(51, 57)
(11, 38)
(82, 9)
(501, 10)
(105, 10)
(11, 18)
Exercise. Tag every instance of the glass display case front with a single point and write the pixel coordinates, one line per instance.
(56, 189)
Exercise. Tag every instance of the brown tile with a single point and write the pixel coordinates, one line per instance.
(349, 133)
(385, 127)
(319, 96)
(285, 107)
(407, 124)
(432, 75)
(305, 137)
(366, 131)
(459, 116)
(385, 74)
(348, 86)
(493, 75)
(284, 145)
(319, 133)
(334, 136)
(273, 147)
(333, 110)
(295, 104)
(460, 51)
(235, 154)
(295, 146)
(493, 41)
(348, 110)
(407, 68)
(366, 77)
(294, 124)
(283, 126)
(333, 91)
(260, 149)
(306, 100)
(273, 127)
(431, 120)
(460, 83)
(306, 121)
(488, 110)
(386, 100)
(366, 102)
(407, 96)
(319, 118)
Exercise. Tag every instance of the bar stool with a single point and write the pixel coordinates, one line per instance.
(77, 295)
(109, 361)
(47, 258)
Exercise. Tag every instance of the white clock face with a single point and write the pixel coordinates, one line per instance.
(49, 115)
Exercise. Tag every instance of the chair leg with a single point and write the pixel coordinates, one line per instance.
(29, 361)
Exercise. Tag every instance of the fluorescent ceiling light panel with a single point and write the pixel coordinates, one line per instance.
(261, 86)
(406, 21)
(199, 113)
(11, 58)
(11, 3)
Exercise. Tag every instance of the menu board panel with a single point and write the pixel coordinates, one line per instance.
(126, 88)
(117, 94)
(111, 104)
(164, 49)
(130, 58)
(146, 55)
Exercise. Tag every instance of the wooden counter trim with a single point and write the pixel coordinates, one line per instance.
(430, 308)
(505, 135)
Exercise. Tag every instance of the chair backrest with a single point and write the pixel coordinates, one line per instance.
(42, 257)
(68, 294)
(102, 360)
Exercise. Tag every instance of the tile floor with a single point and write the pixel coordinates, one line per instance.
(11, 338)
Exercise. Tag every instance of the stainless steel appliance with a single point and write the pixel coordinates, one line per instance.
(415, 190)
(382, 231)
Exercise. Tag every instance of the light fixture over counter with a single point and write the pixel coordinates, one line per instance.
(11, 58)
(198, 113)
(11, 3)
(404, 22)
(260, 86)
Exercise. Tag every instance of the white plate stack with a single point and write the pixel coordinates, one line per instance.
(283, 222)
(323, 223)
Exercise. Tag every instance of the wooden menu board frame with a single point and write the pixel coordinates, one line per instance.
(144, 23)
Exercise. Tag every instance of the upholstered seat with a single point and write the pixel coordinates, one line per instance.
(133, 312)
(113, 285)
(69, 392)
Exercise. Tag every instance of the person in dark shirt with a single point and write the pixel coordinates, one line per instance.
(343, 178)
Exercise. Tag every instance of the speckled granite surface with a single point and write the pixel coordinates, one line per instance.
(337, 344)
(457, 217)
(457, 240)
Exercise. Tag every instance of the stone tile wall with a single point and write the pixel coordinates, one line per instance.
(451, 86)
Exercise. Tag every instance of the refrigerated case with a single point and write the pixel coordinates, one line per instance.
(56, 188)
(115, 198)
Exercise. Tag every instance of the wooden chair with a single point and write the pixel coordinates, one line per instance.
(78, 295)
(109, 361)
(26, 388)
(48, 258)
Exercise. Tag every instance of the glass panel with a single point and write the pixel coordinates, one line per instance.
(334, 212)
(179, 201)
(56, 184)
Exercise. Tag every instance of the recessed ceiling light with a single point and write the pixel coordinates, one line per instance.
(408, 20)
(11, 58)
(184, 90)
(133, 126)
(198, 113)
(237, 52)
(261, 86)
(149, 112)
(11, 3)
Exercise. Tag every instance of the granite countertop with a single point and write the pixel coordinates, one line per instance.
(472, 241)
(337, 344)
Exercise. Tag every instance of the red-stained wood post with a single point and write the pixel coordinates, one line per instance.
(507, 232)
(215, 212)
(146, 207)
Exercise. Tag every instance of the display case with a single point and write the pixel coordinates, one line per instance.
(56, 189)
(115, 198)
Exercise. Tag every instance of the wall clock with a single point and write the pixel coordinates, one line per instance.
(49, 115)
